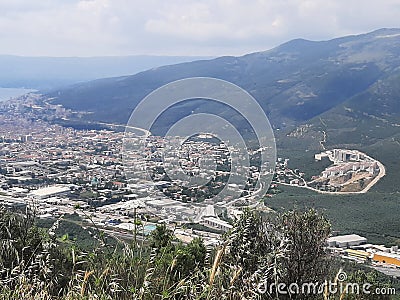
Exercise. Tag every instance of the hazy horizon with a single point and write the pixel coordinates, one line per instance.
(176, 28)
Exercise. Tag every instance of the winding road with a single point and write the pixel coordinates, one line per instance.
(382, 173)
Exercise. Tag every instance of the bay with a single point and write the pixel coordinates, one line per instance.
(8, 93)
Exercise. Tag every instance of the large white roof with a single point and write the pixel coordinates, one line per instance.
(50, 190)
(347, 238)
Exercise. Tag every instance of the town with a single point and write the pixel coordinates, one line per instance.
(62, 171)
(58, 169)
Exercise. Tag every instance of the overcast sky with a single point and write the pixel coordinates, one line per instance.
(180, 27)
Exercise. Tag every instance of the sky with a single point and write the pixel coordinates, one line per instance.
(180, 27)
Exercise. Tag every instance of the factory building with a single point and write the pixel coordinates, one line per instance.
(346, 241)
(357, 254)
(216, 223)
(387, 258)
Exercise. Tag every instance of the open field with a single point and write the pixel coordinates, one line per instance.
(374, 215)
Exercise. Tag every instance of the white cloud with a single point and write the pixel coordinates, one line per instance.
(198, 27)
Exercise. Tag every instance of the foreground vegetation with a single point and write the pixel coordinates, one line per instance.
(260, 251)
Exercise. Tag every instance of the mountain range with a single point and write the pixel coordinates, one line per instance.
(343, 92)
(294, 83)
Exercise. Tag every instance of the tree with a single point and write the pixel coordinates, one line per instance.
(306, 233)
(161, 237)
(188, 258)
(261, 252)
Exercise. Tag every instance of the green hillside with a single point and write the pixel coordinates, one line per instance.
(294, 82)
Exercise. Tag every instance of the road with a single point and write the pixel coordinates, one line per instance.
(388, 271)
(323, 140)
(145, 131)
(382, 173)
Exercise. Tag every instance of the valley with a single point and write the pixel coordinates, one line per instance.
(199, 150)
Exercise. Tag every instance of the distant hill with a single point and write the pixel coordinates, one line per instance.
(52, 72)
(294, 82)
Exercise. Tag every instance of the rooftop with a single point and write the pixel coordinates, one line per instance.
(50, 190)
(346, 238)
